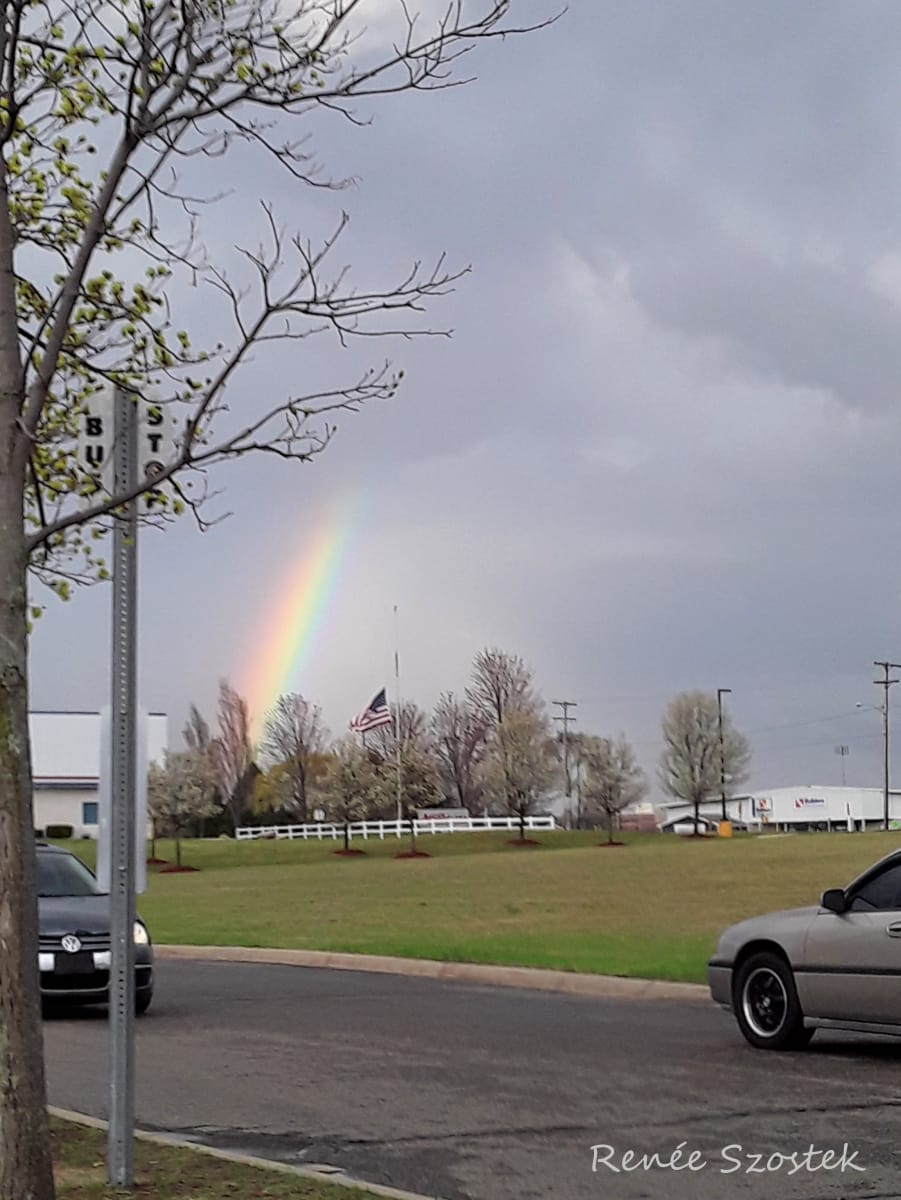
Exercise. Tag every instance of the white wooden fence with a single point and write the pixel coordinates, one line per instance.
(383, 829)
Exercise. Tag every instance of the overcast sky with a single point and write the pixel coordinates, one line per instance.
(662, 449)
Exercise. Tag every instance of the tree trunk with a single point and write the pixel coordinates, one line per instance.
(610, 826)
(177, 850)
(412, 834)
(346, 835)
(697, 804)
(302, 797)
(522, 824)
(25, 1169)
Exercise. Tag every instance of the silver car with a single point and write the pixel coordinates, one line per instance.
(836, 965)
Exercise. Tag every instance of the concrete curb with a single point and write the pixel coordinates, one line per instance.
(321, 1174)
(569, 982)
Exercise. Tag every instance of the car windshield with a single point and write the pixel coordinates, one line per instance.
(64, 875)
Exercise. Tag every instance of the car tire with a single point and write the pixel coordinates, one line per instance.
(766, 1005)
(142, 1001)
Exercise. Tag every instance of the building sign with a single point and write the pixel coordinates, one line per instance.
(810, 802)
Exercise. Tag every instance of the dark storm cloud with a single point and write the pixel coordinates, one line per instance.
(662, 448)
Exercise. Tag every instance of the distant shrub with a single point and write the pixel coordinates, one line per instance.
(39, 833)
(59, 831)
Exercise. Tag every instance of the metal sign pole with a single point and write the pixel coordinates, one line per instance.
(397, 727)
(120, 1148)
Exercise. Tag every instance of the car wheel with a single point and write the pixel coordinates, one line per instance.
(142, 1001)
(766, 1004)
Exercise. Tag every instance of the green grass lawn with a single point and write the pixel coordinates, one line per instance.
(651, 909)
(169, 1173)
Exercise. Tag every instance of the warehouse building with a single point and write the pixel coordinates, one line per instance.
(804, 807)
(65, 754)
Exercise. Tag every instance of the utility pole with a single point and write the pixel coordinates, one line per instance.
(720, 692)
(885, 683)
(578, 786)
(566, 719)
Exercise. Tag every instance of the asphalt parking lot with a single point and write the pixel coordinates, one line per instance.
(475, 1093)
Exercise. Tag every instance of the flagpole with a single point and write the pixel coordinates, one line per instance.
(397, 726)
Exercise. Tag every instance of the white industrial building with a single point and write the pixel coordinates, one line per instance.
(800, 808)
(65, 755)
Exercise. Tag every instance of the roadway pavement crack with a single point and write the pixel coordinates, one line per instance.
(474, 1135)
(859, 1196)
(792, 1110)
(368, 1161)
(211, 1133)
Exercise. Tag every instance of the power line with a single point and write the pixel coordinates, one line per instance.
(812, 721)
(810, 681)
(795, 725)
(852, 712)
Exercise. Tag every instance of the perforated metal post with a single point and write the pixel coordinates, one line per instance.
(120, 1147)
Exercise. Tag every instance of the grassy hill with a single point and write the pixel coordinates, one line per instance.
(652, 908)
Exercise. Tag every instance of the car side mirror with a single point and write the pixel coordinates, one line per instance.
(834, 900)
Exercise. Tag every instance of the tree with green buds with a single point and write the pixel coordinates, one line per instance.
(104, 109)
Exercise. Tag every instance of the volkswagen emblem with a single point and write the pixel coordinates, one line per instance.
(71, 944)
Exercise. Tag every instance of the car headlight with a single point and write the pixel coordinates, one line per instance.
(142, 937)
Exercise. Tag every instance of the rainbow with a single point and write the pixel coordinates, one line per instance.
(293, 623)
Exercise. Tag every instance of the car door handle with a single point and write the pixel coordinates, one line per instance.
(894, 930)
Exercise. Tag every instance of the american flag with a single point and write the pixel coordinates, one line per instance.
(377, 713)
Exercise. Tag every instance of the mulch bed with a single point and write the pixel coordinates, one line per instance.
(413, 854)
(342, 853)
(524, 842)
(177, 870)
(610, 844)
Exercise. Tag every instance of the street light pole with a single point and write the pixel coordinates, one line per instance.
(720, 692)
(843, 751)
(885, 683)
